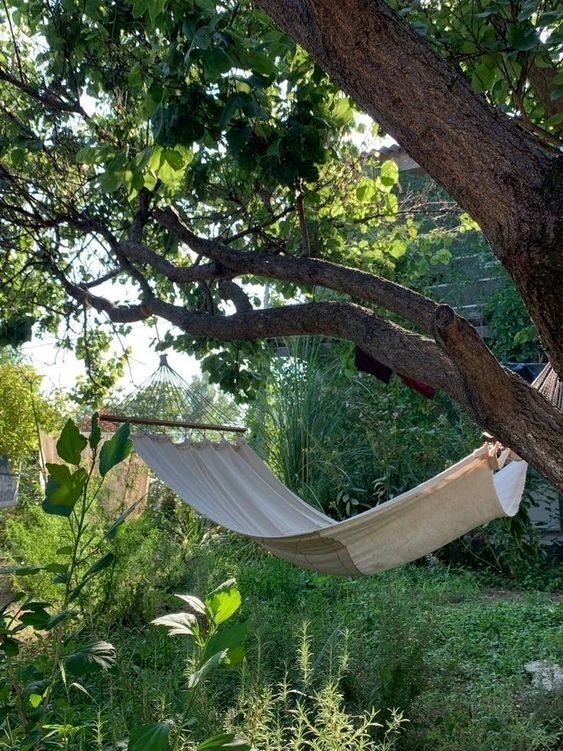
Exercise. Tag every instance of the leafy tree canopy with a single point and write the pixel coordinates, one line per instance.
(22, 409)
(153, 152)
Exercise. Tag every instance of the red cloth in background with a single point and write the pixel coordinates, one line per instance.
(368, 364)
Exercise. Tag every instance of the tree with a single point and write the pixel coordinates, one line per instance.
(21, 407)
(179, 147)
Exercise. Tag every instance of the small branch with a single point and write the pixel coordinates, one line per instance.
(141, 216)
(196, 273)
(231, 291)
(50, 101)
(305, 242)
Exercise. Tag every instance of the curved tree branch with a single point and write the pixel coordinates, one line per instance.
(512, 411)
(362, 285)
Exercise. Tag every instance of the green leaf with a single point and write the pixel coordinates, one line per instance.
(483, 77)
(206, 668)
(389, 173)
(195, 605)
(152, 737)
(139, 7)
(555, 119)
(111, 531)
(365, 190)
(111, 181)
(56, 568)
(101, 564)
(95, 432)
(91, 658)
(180, 624)
(71, 444)
(65, 550)
(215, 63)
(63, 615)
(225, 740)
(21, 570)
(87, 155)
(35, 700)
(36, 617)
(174, 158)
(223, 602)
(10, 647)
(63, 489)
(231, 639)
(115, 450)
(523, 38)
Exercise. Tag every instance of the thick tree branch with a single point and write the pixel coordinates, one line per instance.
(410, 305)
(398, 348)
(483, 159)
(514, 412)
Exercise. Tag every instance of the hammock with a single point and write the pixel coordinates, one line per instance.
(231, 485)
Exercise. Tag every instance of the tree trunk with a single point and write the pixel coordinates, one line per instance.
(481, 157)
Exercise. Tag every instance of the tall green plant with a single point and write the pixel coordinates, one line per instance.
(202, 621)
(349, 443)
(31, 695)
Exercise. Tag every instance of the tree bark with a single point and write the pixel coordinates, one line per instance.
(492, 169)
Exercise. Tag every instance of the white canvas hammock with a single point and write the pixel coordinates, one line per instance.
(231, 485)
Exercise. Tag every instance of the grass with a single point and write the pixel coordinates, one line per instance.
(438, 645)
(443, 648)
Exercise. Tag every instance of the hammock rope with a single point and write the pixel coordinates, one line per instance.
(166, 401)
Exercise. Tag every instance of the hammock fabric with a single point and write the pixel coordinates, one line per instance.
(231, 485)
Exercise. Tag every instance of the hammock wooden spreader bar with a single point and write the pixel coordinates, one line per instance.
(232, 486)
(172, 423)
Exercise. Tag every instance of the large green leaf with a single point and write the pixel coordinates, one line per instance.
(223, 601)
(223, 741)
(71, 443)
(115, 450)
(153, 737)
(231, 639)
(102, 563)
(207, 667)
(179, 624)
(91, 658)
(95, 432)
(63, 489)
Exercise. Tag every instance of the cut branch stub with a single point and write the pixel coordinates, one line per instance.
(501, 401)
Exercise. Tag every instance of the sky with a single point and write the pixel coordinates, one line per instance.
(60, 368)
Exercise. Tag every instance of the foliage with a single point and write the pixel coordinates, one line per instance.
(430, 637)
(31, 694)
(507, 49)
(35, 697)
(21, 408)
(306, 710)
(446, 646)
(514, 337)
(347, 443)
(213, 646)
(202, 106)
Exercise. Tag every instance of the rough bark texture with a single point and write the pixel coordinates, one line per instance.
(492, 169)
(500, 400)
